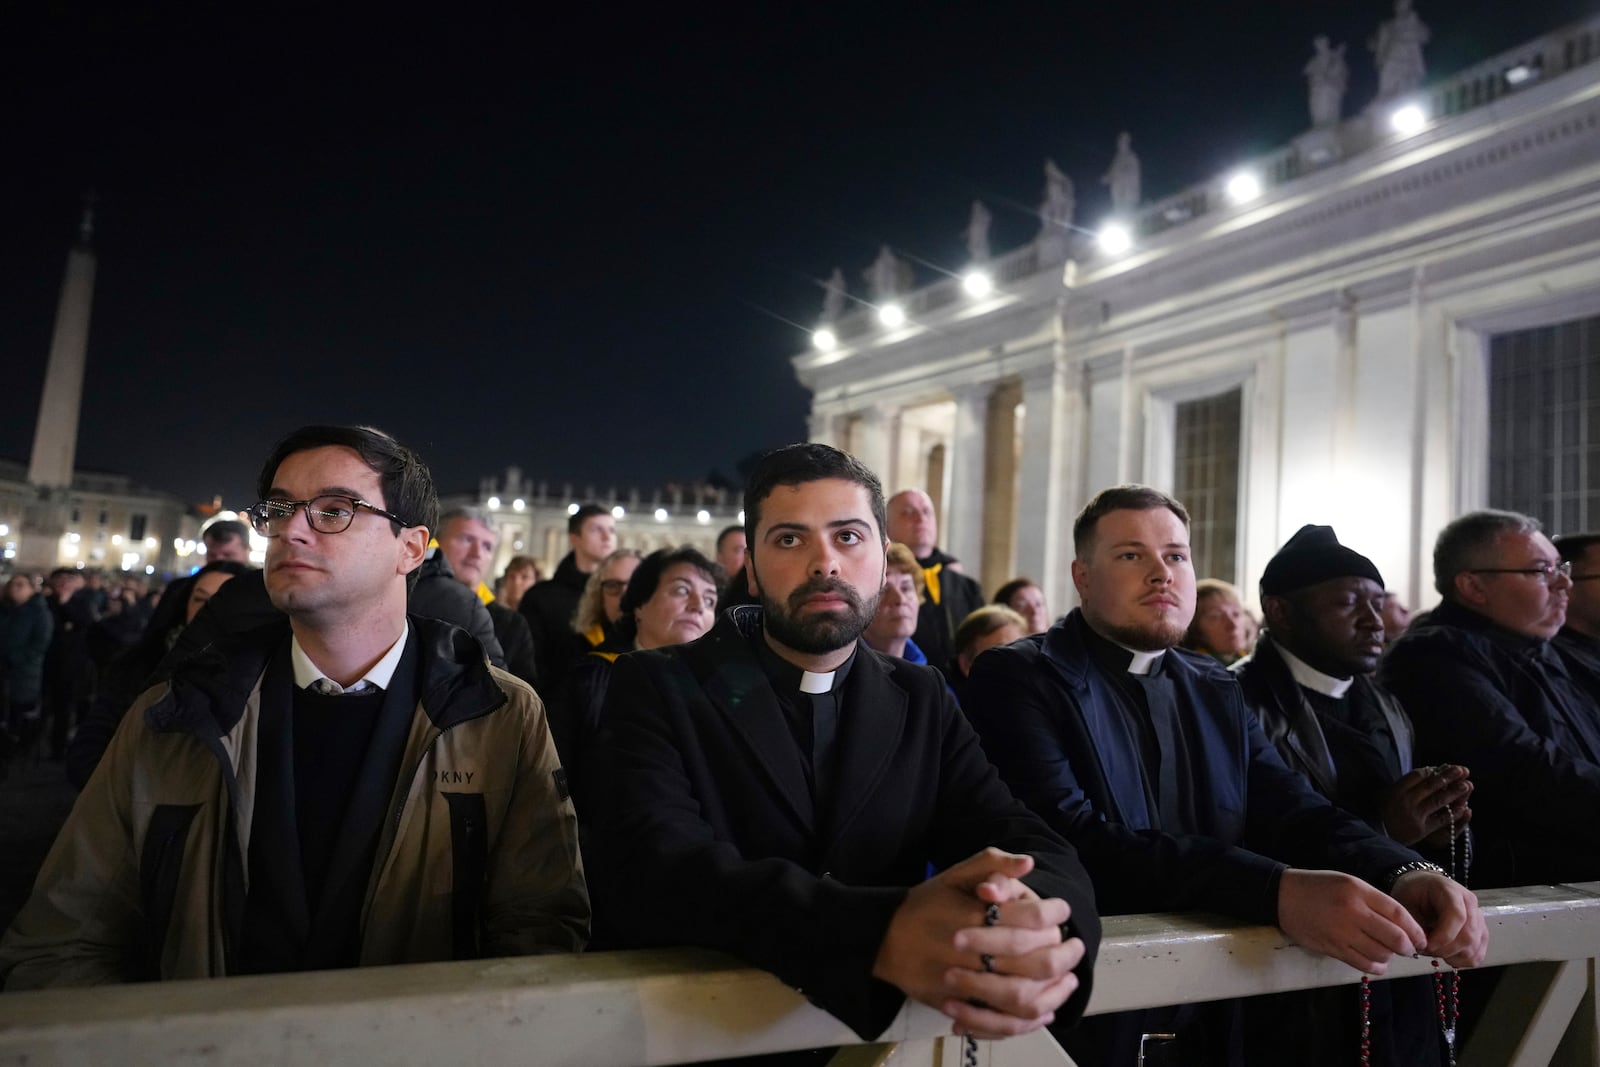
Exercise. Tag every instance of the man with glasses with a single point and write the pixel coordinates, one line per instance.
(1579, 639)
(333, 785)
(1485, 688)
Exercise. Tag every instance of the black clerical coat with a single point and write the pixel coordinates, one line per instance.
(706, 832)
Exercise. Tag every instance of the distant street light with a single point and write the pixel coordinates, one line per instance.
(824, 340)
(977, 284)
(892, 315)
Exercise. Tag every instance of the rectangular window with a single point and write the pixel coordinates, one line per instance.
(136, 525)
(1544, 424)
(1206, 465)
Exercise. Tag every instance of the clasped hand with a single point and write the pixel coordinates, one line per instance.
(937, 945)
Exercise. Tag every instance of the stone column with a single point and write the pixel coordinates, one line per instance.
(824, 428)
(962, 533)
(872, 439)
(1000, 486)
(1049, 494)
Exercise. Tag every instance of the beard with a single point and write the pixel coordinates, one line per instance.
(822, 632)
(1150, 637)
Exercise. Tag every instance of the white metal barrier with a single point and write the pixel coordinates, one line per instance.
(684, 1005)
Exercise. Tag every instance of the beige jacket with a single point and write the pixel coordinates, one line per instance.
(146, 878)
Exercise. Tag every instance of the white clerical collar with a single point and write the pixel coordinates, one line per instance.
(1312, 678)
(307, 673)
(811, 682)
(1142, 662)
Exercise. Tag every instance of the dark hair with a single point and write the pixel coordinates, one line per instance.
(406, 483)
(225, 566)
(576, 520)
(799, 464)
(647, 577)
(1004, 594)
(1120, 498)
(226, 530)
(519, 563)
(1461, 543)
(1573, 546)
(726, 530)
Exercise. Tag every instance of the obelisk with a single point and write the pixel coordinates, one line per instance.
(55, 440)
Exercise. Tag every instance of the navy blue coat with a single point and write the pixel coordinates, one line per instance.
(1049, 721)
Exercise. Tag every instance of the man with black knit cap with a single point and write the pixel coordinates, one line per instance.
(1309, 684)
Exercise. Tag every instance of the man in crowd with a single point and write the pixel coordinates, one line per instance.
(273, 760)
(951, 595)
(550, 606)
(1485, 687)
(1309, 683)
(1579, 638)
(778, 790)
(69, 671)
(1145, 757)
(467, 542)
(226, 540)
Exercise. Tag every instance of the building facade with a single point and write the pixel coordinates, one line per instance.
(531, 518)
(100, 522)
(1392, 321)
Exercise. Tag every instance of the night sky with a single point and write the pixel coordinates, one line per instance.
(584, 242)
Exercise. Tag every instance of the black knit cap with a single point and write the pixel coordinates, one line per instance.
(1314, 555)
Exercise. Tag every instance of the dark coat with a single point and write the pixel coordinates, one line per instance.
(516, 642)
(1295, 729)
(1050, 721)
(1316, 1021)
(25, 633)
(1497, 703)
(706, 833)
(952, 596)
(438, 594)
(549, 608)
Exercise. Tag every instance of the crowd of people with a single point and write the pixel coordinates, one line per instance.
(823, 749)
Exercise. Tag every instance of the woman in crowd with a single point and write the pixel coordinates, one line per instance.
(1023, 596)
(1222, 627)
(990, 625)
(895, 621)
(671, 599)
(518, 578)
(601, 603)
(25, 632)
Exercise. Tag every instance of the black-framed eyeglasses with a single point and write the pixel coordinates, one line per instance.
(1545, 569)
(329, 514)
